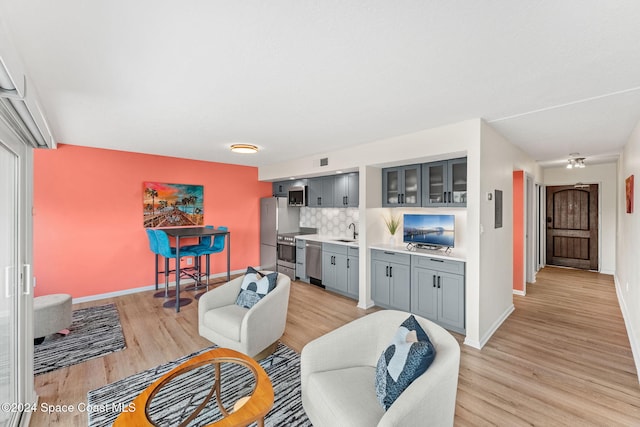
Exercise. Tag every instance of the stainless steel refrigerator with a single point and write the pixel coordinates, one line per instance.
(276, 217)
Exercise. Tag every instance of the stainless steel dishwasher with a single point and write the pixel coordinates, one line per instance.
(314, 262)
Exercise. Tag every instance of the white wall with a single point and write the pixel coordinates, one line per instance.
(499, 158)
(606, 176)
(627, 275)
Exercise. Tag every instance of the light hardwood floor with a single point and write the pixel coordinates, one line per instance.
(562, 358)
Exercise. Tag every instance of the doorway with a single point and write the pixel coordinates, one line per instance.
(572, 226)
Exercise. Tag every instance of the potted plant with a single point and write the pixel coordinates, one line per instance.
(393, 223)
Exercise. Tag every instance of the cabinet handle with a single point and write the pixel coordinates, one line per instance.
(389, 253)
(438, 282)
(344, 200)
(347, 262)
(390, 271)
(319, 201)
(402, 198)
(450, 196)
(387, 272)
(434, 280)
(436, 260)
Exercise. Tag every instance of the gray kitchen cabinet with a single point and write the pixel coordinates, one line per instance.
(340, 269)
(301, 256)
(334, 267)
(320, 192)
(391, 279)
(444, 183)
(437, 291)
(281, 188)
(353, 272)
(401, 186)
(346, 190)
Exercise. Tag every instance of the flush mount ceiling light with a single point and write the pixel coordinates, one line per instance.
(575, 162)
(244, 148)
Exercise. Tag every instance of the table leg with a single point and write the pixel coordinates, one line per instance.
(178, 302)
(177, 274)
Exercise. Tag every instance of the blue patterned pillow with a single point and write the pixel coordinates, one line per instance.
(254, 287)
(407, 357)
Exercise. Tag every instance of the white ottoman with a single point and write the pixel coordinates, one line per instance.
(51, 313)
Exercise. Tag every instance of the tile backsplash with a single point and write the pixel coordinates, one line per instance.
(330, 221)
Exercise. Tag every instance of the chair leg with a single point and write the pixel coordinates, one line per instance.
(156, 272)
(166, 277)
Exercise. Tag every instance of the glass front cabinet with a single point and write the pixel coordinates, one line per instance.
(401, 186)
(444, 183)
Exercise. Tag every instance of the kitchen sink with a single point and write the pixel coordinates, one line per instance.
(345, 240)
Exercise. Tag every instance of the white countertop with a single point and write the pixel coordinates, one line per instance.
(329, 239)
(454, 255)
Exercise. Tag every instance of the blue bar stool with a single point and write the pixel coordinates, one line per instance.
(165, 249)
(153, 245)
(216, 247)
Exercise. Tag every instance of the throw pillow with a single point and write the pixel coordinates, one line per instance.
(407, 357)
(254, 287)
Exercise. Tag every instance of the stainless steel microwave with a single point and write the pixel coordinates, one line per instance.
(298, 196)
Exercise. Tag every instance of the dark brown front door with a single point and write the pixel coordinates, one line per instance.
(572, 226)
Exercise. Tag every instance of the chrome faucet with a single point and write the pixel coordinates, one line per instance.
(355, 235)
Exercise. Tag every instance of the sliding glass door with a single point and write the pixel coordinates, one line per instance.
(16, 378)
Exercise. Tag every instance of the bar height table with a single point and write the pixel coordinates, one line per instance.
(181, 232)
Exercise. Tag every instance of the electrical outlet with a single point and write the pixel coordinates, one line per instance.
(189, 261)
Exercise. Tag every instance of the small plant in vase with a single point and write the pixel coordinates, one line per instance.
(393, 223)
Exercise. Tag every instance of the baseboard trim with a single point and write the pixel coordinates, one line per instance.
(519, 292)
(633, 342)
(491, 331)
(144, 288)
(609, 272)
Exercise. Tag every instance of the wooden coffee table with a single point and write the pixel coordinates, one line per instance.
(251, 408)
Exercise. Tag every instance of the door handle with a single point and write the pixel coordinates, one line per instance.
(7, 280)
(26, 271)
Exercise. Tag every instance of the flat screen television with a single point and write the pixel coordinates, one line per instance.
(429, 230)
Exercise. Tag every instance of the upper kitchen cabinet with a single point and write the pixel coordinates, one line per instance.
(445, 183)
(281, 188)
(401, 186)
(346, 191)
(333, 191)
(320, 192)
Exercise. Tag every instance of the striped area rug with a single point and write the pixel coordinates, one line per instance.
(283, 368)
(94, 332)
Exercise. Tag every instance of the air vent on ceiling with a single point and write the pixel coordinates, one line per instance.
(324, 161)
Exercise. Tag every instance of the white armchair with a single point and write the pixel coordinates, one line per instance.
(338, 373)
(249, 331)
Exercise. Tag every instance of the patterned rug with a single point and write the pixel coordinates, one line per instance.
(283, 368)
(94, 332)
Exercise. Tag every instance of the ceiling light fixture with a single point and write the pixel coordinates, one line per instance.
(575, 162)
(244, 148)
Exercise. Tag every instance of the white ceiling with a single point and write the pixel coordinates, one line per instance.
(299, 77)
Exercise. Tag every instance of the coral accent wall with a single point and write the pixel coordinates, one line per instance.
(88, 233)
(518, 230)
